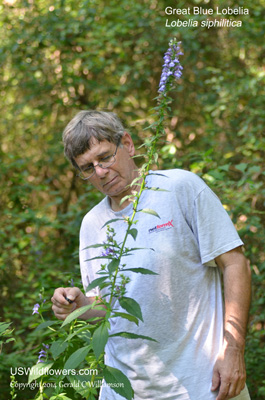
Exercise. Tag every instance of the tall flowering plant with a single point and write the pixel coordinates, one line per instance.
(67, 351)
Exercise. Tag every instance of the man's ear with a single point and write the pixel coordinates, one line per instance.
(127, 143)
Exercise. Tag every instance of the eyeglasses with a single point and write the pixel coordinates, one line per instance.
(106, 162)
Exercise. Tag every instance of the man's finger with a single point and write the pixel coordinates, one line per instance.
(61, 302)
(65, 296)
(61, 313)
(235, 388)
(215, 381)
(224, 391)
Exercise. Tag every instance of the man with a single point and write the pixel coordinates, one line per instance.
(199, 353)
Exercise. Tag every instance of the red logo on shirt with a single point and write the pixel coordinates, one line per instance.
(162, 227)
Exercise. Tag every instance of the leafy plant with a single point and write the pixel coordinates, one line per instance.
(5, 333)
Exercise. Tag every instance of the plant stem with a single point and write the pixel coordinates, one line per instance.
(150, 152)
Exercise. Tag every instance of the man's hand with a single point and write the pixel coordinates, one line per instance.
(229, 374)
(62, 307)
(66, 300)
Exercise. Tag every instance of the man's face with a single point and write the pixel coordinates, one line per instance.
(114, 180)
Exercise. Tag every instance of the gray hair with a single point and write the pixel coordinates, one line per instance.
(86, 125)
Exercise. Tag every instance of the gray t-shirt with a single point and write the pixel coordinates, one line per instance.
(182, 305)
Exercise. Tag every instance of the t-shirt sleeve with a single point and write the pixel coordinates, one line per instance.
(213, 227)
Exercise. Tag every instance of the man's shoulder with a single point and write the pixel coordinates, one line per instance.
(93, 214)
(178, 177)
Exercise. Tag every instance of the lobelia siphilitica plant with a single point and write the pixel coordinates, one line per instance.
(73, 361)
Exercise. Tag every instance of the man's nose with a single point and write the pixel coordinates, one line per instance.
(101, 172)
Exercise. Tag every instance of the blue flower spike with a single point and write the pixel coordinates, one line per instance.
(43, 353)
(172, 69)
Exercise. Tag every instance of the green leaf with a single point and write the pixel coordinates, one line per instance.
(4, 326)
(149, 211)
(144, 271)
(41, 397)
(156, 189)
(60, 396)
(242, 167)
(96, 282)
(75, 314)
(225, 167)
(38, 370)
(76, 358)
(254, 169)
(133, 232)
(126, 316)
(99, 340)
(113, 265)
(94, 246)
(112, 220)
(118, 382)
(129, 335)
(45, 324)
(139, 178)
(131, 306)
(129, 196)
(216, 174)
(140, 248)
(10, 340)
(100, 258)
(85, 336)
(58, 347)
(76, 332)
(78, 383)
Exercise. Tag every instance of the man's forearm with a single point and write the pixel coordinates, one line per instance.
(237, 295)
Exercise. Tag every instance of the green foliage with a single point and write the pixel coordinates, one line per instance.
(58, 57)
(118, 380)
(67, 348)
(100, 339)
(37, 370)
(5, 334)
(131, 306)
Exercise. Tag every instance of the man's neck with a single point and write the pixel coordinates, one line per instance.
(116, 206)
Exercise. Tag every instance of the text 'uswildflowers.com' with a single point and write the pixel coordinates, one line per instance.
(50, 371)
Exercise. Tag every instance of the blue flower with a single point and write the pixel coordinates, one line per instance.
(43, 353)
(107, 252)
(36, 309)
(171, 67)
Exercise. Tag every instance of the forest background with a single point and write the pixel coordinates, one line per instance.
(61, 56)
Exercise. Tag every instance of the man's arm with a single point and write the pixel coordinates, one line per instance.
(229, 374)
(62, 308)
